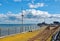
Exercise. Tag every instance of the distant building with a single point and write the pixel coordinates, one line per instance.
(45, 24)
(56, 22)
(42, 24)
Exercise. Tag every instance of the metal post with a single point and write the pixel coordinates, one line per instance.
(0, 32)
(20, 30)
(15, 29)
(24, 29)
(8, 31)
(22, 22)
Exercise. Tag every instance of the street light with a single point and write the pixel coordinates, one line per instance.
(22, 21)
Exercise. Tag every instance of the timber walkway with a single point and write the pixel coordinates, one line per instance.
(45, 34)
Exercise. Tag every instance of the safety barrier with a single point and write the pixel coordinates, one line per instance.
(15, 30)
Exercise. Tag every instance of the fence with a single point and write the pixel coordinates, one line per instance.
(15, 30)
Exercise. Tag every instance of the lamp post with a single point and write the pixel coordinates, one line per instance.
(22, 21)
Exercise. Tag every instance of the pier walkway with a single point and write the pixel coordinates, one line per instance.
(43, 34)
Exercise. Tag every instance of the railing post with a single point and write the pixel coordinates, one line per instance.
(33, 27)
(0, 32)
(29, 28)
(24, 29)
(15, 29)
(8, 31)
(21, 29)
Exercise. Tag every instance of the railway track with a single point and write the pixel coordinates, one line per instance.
(45, 34)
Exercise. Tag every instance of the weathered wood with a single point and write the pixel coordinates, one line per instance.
(45, 34)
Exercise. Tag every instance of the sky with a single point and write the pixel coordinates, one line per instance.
(34, 11)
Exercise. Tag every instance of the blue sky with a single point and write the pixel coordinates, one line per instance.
(11, 10)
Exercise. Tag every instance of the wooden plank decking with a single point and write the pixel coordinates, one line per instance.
(45, 34)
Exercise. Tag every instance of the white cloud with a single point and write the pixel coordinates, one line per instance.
(36, 5)
(30, 15)
(10, 18)
(37, 16)
(37, 13)
(56, 15)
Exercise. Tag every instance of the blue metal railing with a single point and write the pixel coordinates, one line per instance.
(15, 30)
